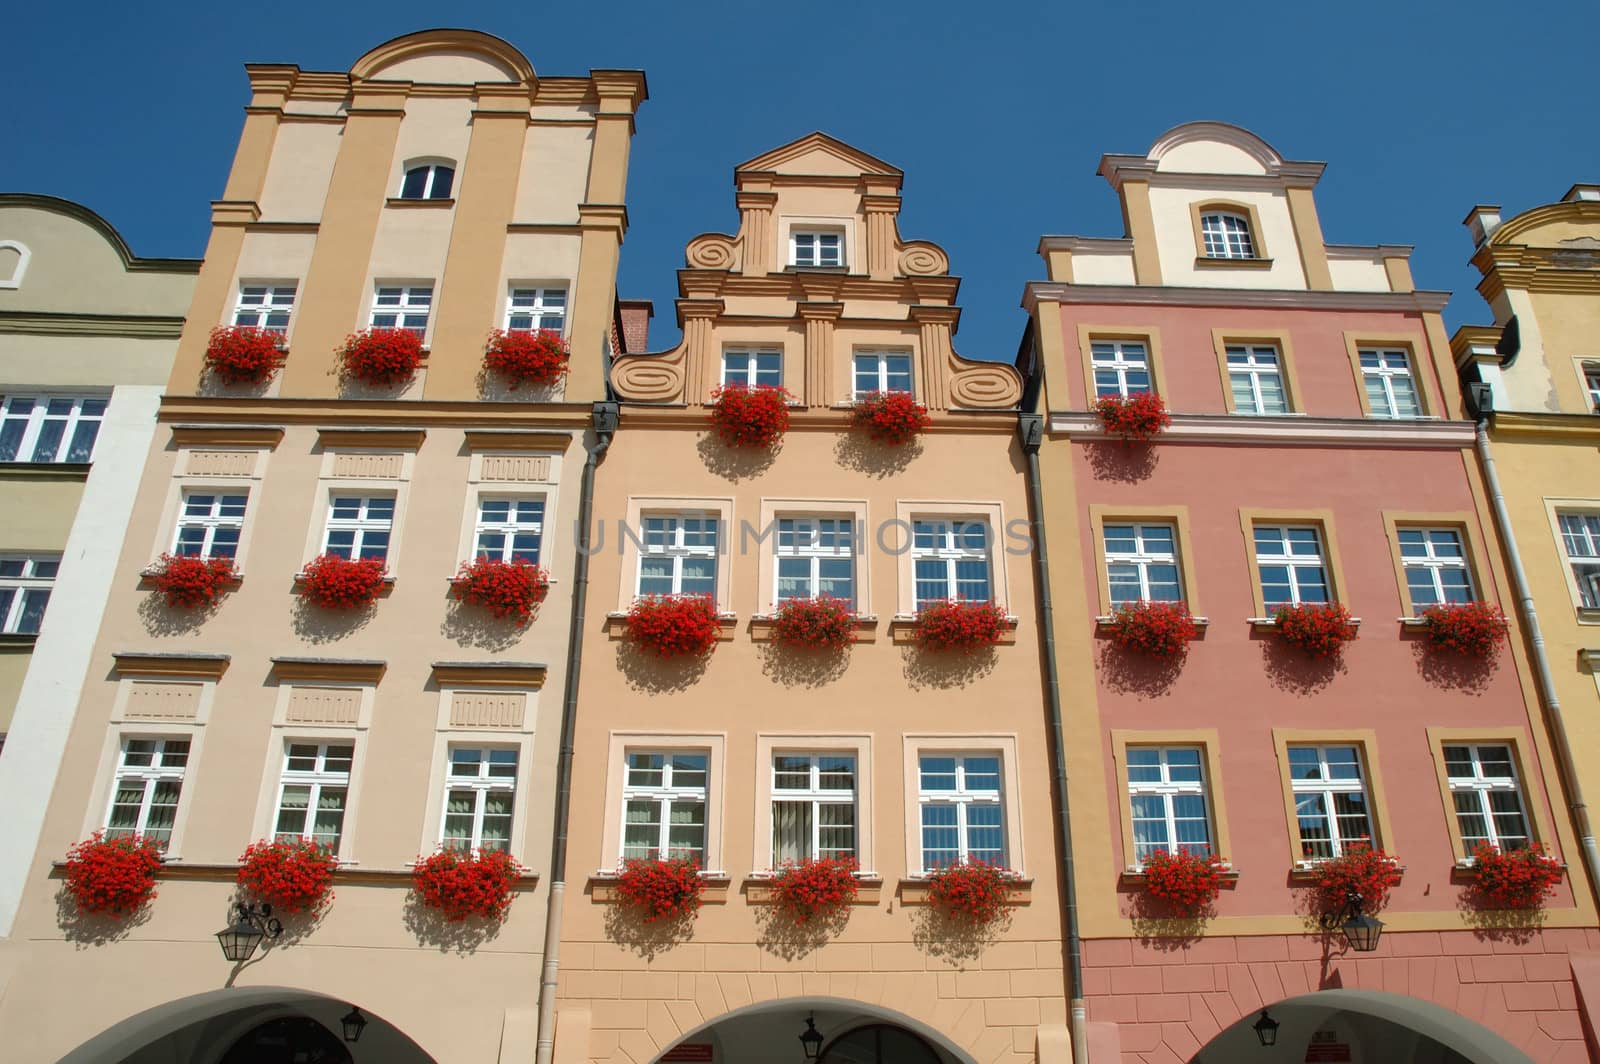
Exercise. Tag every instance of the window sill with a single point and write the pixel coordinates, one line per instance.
(1267, 623)
(148, 574)
(1247, 264)
(419, 204)
(1305, 872)
(757, 889)
(602, 888)
(387, 589)
(617, 626)
(1588, 615)
(173, 867)
(792, 268)
(913, 890)
(18, 640)
(47, 470)
(903, 630)
(763, 624)
(1133, 876)
(1105, 620)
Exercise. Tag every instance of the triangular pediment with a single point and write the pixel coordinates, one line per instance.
(818, 154)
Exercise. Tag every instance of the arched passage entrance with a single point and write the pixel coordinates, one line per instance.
(247, 1025)
(1362, 1027)
(853, 1033)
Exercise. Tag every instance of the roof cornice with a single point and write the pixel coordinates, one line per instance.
(1269, 298)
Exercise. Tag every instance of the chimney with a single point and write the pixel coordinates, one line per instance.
(635, 315)
(1481, 222)
(1589, 193)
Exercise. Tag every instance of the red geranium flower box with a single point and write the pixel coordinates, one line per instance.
(191, 583)
(293, 876)
(890, 417)
(241, 354)
(463, 883)
(112, 876)
(821, 623)
(527, 356)
(1321, 629)
(381, 356)
(1158, 629)
(951, 624)
(1515, 879)
(1471, 628)
(1359, 870)
(815, 887)
(1140, 417)
(1183, 881)
(750, 417)
(972, 893)
(335, 583)
(660, 889)
(673, 626)
(506, 589)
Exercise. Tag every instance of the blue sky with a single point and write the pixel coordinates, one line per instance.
(998, 112)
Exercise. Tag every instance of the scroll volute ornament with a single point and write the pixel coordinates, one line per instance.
(922, 258)
(713, 251)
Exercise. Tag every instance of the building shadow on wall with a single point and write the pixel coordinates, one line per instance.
(1132, 673)
(159, 619)
(626, 928)
(433, 928)
(650, 673)
(317, 625)
(860, 453)
(87, 930)
(1125, 462)
(782, 935)
(735, 463)
(473, 626)
(1456, 671)
(1291, 669)
(1492, 923)
(924, 668)
(955, 941)
(799, 667)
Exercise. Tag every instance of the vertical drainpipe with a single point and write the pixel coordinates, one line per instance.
(605, 417)
(1030, 431)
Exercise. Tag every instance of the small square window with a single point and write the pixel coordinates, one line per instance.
(1142, 563)
(402, 307)
(25, 584)
(752, 368)
(882, 371)
(265, 306)
(530, 309)
(1291, 566)
(509, 529)
(678, 555)
(359, 526)
(816, 248)
(210, 523)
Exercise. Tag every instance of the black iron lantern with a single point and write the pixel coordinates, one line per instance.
(1360, 930)
(354, 1023)
(251, 924)
(1266, 1029)
(811, 1038)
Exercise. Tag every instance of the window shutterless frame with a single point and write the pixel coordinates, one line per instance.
(1226, 235)
(1390, 385)
(1487, 796)
(752, 367)
(1436, 569)
(962, 809)
(664, 796)
(149, 781)
(1142, 562)
(813, 806)
(428, 181)
(480, 793)
(25, 584)
(815, 556)
(1169, 802)
(1591, 386)
(265, 306)
(816, 247)
(1580, 543)
(402, 307)
(881, 371)
(1255, 376)
(313, 793)
(531, 308)
(678, 555)
(509, 528)
(210, 522)
(359, 526)
(38, 427)
(950, 560)
(1332, 804)
(1291, 564)
(1121, 368)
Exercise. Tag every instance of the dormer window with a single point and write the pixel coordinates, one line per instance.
(816, 247)
(1226, 235)
(428, 181)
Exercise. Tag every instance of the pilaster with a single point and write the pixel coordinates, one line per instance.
(755, 231)
(820, 319)
(933, 327)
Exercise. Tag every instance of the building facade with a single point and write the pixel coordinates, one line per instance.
(761, 755)
(441, 186)
(1316, 452)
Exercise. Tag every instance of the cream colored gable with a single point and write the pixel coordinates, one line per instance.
(1210, 157)
(817, 154)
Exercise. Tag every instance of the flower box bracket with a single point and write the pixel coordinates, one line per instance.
(757, 889)
(602, 888)
(913, 890)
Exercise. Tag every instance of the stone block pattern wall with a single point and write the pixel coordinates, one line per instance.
(1169, 1001)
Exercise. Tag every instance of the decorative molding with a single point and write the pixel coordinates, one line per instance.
(375, 412)
(130, 262)
(344, 875)
(137, 663)
(328, 670)
(522, 675)
(263, 436)
(45, 470)
(922, 258)
(408, 439)
(1173, 295)
(1286, 431)
(714, 251)
(41, 323)
(518, 440)
(484, 45)
(420, 204)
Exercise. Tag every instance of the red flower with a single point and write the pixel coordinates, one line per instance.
(1359, 870)
(463, 883)
(660, 889)
(191, 583)
(1184, 881)
(890, 417)
(527, 356)
(114, 876)
(951, 624)
(1321, 629)
(336, 583)
(673, 626)
(293, 876)
(381, 356)
(239, 354)
(506, 589)
(1140, 417)
(1515, 879)
(814, 887)
(750, 417)
(1471, 628)
(972, 893)
(1159, 629)
(821, 623)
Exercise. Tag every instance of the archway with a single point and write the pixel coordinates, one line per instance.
(853, 1032)
(1361, 1027)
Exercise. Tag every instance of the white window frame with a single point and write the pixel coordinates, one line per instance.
(1167, 789)
(964, 799)
(1591, 384)
(1120, 358)
(813, 551)
(430, 182)
(148, 777)
(678, 549)
(509, 528)
(749, 374)
(1482, 785)
(481, 785)
(1255, 370)
(882, 372)
(1292, 562)
(664, 796)
(1386, 374)
(362, 524)
(1327, 788)
(540, 303)
(1584, 567)
(212, 521)
(36, 418)
(315, 779)
(27, 581)
(1142, 557)
(1433, 563)
(415, 300)
(818, 796)
(951, 552)
(1227, 235)
(262, 301)
(814, 235)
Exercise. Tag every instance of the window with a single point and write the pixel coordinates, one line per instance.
(537, 308)
(1391, 390)
(1580, 538)
(1488, 800)
(664, 805)
(428, 181)
(813, 806)
(1591, 384)
(963, 818)
(209, 525)
(752, 368)
(1436, 566)
(1226, 236)
(480, 790)
(509, 529)
(950, 560)
(263, 306)
(1167, 799)
(1255, 375)
(1142, 563)
(816, 556)
(882, 371)
(314, 793)
(1290, 563)
(144, 798)
(50, 428)
(1330, 799)
(25, 582)
(402, 307)
(679, 555)
(816, 248)
(359, 526)
(1121, 367)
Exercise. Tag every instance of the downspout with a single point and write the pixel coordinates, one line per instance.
(1541, 661)
(605, 416)
(1030, 430)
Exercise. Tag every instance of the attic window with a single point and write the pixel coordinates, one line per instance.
(428, 181)
(816, 247)
(13, 263)
(1227, 235)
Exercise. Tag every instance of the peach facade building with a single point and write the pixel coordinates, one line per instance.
(1317, 452)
